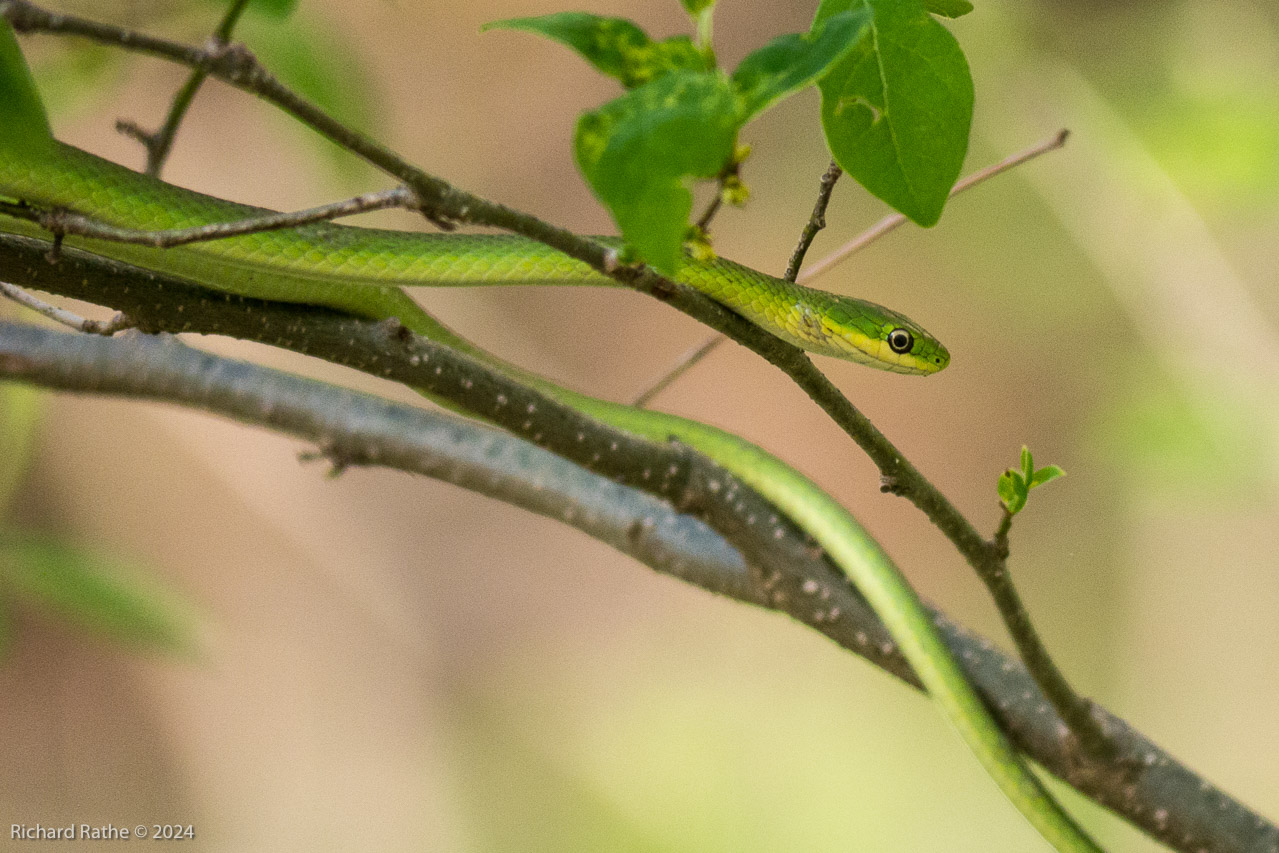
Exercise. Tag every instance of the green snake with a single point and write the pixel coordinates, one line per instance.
(363, 271)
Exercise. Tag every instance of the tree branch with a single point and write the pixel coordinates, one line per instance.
(386, 349)
(445, 204)
(1165, 798)
(354, 428)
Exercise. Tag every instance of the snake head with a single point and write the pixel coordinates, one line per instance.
(878, 337)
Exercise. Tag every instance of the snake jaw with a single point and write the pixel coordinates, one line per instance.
(851, 329)
(853, 335)
(852, 343)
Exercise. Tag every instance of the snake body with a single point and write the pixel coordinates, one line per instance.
(363, 270)
(327, 260)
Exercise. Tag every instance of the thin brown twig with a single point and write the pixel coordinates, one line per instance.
(728, 186)
(999, 542)
(690, 359)
(686, 361)
(893, 221)
(159, 143)
(816, 221)
(62, 316)
(704, 221)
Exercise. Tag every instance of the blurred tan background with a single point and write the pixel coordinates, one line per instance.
(393, 664)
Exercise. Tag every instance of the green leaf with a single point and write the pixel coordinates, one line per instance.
(637, 151)
(317, 62)
(898, 108)
(94, 592)
(615, 46)
(790, 62)
(25, 124)
(1012, 491)
(1046, 474)
(1014, 486)
(949, 8)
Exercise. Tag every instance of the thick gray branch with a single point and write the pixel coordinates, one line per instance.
(351, 428)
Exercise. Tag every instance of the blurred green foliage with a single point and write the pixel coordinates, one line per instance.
(1161, 438)
(20, 410)
(310, 54)
(106, 596)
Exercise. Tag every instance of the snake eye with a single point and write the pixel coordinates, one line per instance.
(900, 340)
